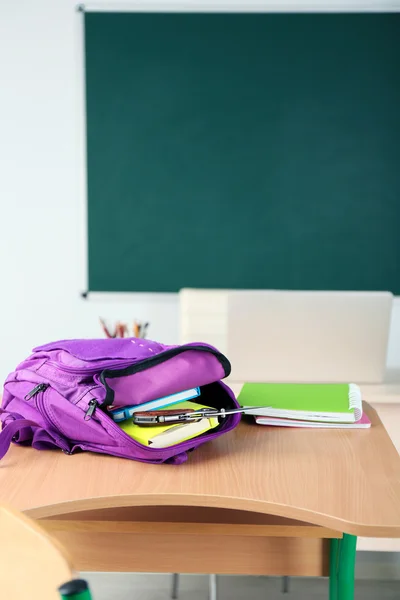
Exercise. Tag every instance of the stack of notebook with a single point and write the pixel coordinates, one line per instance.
(333, 405)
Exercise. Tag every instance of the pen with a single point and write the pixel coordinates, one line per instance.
(121, 327)
(144, 330)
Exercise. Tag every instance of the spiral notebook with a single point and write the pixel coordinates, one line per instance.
(330, 402)
(363, 423)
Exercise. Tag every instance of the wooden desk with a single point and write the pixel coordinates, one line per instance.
(256, 501)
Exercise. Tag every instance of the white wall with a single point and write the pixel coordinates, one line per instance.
(41, 191)
(42, 188)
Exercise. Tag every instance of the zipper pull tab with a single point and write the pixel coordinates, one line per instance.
(38, 388)
(90, 411)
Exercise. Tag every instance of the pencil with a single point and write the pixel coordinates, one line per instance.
(136, 329)
(104, 326)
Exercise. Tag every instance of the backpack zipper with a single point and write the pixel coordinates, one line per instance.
(41, 387)
(88, 370)
(125, 363)
(91, 409)
(39, 392)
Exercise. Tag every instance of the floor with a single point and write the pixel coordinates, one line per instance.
(107, 586)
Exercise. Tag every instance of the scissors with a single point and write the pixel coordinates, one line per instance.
(164, 417)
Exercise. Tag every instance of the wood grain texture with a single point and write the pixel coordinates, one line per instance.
(183, 528)
(33, 565)
(166, 553)
(178, 514)
(343, 480)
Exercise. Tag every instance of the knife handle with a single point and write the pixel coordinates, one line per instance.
(152, 417)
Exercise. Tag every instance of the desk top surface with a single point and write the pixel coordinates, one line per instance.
(342, 479)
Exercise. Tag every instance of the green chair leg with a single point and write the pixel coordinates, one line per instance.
(346, 562)
(333, 568)
(76, 589)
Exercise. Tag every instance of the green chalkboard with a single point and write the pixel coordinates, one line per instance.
(243, 151)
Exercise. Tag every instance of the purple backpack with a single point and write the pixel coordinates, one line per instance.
(58, 397)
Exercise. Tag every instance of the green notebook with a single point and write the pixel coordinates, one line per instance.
(329, 402)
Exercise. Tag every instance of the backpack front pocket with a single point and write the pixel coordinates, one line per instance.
(169, 372)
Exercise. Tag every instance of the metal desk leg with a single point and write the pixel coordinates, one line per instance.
(212, 586)
(212, 582)
(175, 586)
(285, 584)
(346, 562)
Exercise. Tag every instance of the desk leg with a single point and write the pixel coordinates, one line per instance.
(285, 584)
(346, 562)
(333, 569)
(175, 586)
(212, 584)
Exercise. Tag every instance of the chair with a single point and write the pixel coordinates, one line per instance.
(32, 564)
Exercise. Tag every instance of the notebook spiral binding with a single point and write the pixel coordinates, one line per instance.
(355, 400)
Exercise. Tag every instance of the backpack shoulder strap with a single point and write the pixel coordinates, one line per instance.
(10, 430)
